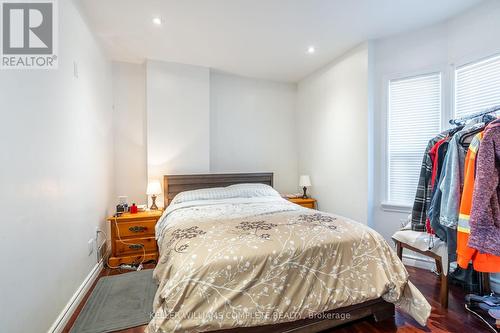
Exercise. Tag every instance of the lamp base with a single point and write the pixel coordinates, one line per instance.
(153, 205)
(305, 193)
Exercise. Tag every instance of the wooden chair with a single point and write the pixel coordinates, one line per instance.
(443, 297)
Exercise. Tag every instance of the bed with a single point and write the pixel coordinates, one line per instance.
(236, 257)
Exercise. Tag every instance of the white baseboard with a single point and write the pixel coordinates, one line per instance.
(75, 300)
(415, 260)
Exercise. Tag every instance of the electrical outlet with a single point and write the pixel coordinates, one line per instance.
(91, 246)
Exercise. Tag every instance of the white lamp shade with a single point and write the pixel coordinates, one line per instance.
(304, 181)
(154, 188)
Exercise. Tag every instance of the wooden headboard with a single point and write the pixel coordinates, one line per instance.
(173, 184)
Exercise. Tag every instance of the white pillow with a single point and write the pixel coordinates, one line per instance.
(201, 194)
(232, 191)
(254, 190)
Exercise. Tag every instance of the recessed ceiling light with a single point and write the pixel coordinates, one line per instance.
(157, 20)
(311, 50)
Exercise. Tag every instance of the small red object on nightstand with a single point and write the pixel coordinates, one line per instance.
(133, 209)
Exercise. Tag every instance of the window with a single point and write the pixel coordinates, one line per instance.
(414, 118)
(477, 86)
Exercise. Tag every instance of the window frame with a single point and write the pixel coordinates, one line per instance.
(446, 91)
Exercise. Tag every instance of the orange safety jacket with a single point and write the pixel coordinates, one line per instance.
(482, 262)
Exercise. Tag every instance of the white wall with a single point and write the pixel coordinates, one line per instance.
(178, 120)
(467, 37)
(252, 128)
(56, 176)
(399, 56)
(332, 120)
(130, 154)
(201, 121)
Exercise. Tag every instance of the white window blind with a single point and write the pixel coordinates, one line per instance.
(477, 86)
(414, 118)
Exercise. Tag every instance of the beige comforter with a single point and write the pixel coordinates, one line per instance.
(235, 263)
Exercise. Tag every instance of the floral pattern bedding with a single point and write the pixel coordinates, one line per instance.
(258, 261)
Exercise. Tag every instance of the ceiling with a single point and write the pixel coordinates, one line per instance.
(258, 38)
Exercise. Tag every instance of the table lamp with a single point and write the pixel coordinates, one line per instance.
(304, 182)
(154, 189)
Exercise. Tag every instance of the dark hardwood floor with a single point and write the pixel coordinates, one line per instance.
(453, 319)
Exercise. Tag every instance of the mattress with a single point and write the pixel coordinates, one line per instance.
(241, 262)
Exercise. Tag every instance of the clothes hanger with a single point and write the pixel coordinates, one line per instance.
(463, 120)
(466, 139)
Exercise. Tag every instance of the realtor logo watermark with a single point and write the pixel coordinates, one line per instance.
(29, 34)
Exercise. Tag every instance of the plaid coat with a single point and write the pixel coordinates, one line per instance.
(424, 188)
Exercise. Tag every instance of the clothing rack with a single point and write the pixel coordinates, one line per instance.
(462, 120)
(484, 287)
(484, 283)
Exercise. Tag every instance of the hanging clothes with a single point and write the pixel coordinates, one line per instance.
(436, 159)
(446, 186)
(482, 262)
(453, 177)
(423, 194)
(435, 204)
(485, 212)
(450, 186)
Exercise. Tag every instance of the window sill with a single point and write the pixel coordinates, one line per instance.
(395, 207)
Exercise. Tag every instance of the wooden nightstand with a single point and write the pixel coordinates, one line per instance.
(129, 234)
(308, 203)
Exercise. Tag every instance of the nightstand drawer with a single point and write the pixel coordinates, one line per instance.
(136, 228)
(138, 232)
(135, 245)
(304, 202)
